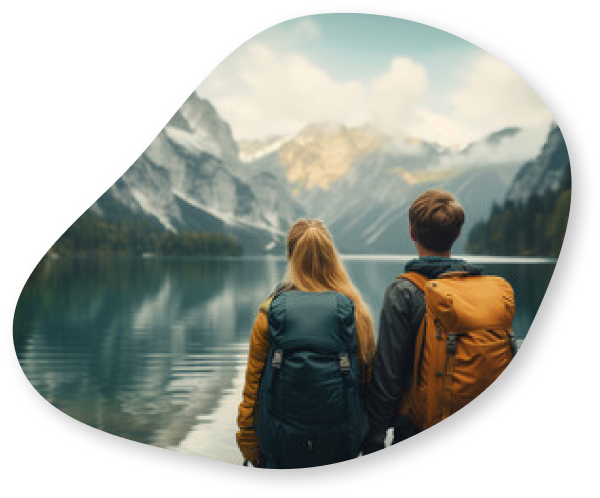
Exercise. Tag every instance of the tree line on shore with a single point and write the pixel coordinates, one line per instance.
(90, 236)
(535, 227)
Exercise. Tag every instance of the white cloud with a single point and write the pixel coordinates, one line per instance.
(394, 96)
(494, 97)
(262, 92)
(265, 91)
(437, 128)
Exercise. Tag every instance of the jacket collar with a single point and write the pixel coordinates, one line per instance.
(433, 266)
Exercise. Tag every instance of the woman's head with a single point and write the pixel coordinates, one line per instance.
(314, 266)
(313, 260)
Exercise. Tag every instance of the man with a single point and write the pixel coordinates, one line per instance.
(436, 219)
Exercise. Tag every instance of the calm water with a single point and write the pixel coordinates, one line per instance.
(155, 350)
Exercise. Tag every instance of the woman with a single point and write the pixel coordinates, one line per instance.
(313, 266)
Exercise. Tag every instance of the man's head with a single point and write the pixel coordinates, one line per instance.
(436, 219)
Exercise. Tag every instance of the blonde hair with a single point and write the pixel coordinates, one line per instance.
(315, 266)
(436, 218)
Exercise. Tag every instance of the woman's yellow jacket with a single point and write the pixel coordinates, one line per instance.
(247, 439)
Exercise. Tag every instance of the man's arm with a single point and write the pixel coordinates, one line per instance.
(393, 361)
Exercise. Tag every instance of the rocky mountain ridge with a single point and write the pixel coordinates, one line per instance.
(543, 173)
(190, 178)
(195, 176)
(361, 182)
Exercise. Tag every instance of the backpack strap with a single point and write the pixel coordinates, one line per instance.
(419, 281)
(266, 304)
(513, 342)
(416, 278)
(450, 357)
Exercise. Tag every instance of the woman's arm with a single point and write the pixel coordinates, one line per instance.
(259, 349)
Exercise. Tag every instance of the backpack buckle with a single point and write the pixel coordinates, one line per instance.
(277, 358)
(451, 343)
(344, 362)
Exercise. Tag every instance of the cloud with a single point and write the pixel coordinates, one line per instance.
(265, 89)
(435, 127)
(394, 96)
(516, 148)
(493, 96)
(263, 92)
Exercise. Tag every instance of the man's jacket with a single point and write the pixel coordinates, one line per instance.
(401, 315)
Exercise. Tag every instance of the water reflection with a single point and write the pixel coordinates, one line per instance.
(137, 348)
(155, 350)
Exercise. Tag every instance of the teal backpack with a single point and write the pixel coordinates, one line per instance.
(309, 409)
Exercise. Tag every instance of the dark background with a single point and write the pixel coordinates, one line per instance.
(84, 87)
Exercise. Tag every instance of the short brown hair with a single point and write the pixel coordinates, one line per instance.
(436, 218)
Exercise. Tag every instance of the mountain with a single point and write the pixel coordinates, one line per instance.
(533, 218)
(362, 182)
(190, 179)
(545, 172)
(195, 177)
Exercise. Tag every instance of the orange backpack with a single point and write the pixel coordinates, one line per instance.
(464, 343)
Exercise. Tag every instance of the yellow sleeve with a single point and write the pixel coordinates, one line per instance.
(259, 349)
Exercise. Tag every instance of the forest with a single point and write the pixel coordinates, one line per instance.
(532, 228)
(90, 236)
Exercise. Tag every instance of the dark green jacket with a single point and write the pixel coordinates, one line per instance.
(401, 315)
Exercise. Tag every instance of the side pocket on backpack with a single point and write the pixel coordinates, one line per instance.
(479, 361)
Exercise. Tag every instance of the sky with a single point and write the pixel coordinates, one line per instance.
(401, 77)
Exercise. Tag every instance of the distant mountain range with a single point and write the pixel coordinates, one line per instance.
(195, 177)
(361, 182)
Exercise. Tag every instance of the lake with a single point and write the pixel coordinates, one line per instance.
(154, 350)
